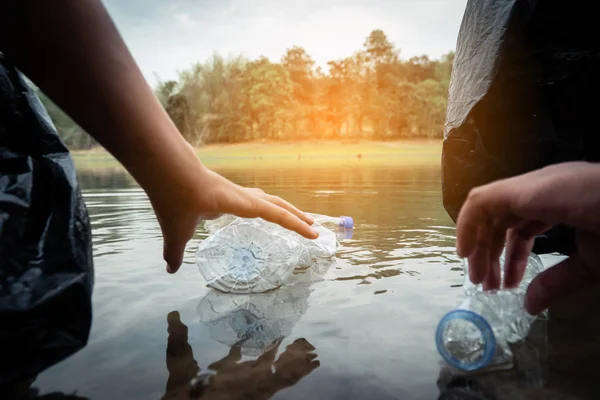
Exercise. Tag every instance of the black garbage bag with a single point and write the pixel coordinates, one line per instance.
(46, 270)
(524, 94)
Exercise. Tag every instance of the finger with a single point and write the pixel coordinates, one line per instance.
(479, 258)
(175, 236)
(561, 280)
(483, 204)
(519, 244)
(258, 207)
(173, 254)
(515, 261)
(286, 205)
(492, 279)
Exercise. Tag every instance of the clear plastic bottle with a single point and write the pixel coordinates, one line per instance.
(479, 332)
(213, 225)
(326, 220)
(253, 255)
(342, 225)
(534, 267)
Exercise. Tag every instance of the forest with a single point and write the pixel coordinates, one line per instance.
(373, 94)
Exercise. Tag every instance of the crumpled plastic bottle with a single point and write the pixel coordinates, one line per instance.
(343, 225)
(478, 334)
(253, 255)
(534, 267)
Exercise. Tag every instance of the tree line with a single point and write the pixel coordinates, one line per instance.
(372, 94)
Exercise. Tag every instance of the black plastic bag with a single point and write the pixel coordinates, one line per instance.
(46, 268)
(524, 94)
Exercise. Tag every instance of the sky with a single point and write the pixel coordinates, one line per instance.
(167, 36)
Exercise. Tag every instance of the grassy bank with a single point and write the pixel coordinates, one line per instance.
(297, 154)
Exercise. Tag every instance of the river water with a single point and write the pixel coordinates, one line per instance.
(365, 331)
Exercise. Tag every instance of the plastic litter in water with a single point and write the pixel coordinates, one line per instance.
(478, 334)
(253, 255)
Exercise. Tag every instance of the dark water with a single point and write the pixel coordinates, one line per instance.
(366, 331)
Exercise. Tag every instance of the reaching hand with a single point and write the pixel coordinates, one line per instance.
(515, 210)
(204, 194)
(83, 65)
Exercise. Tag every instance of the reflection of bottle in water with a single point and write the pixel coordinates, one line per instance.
(254, 321)
(254, 255)
(534, 267)
(478, 334)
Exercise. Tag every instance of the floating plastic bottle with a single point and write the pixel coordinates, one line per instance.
(342, 221)
(534, 267)
(479, 332)
(253, 255)
(342, 225)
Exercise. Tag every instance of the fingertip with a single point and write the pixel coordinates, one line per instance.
(173, 255)
(171, 269)
(461, 251)
(478, 266)
(534, 299)
(556, 282)
(464, 242)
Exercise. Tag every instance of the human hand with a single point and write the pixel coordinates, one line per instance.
(514, 211)
(202, 194)
(83, 64)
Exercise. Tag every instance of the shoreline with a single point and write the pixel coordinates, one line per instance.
(315, 153)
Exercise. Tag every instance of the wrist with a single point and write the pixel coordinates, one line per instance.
(163, 162)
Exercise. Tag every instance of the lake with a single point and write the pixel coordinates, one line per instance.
(365, 331)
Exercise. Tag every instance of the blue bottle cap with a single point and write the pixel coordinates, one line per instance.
(346, 222)
(487, 337)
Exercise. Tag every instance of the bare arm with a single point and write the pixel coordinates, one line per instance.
(74, 53)
(72, 50)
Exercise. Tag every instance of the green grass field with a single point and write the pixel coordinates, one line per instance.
(314, 154)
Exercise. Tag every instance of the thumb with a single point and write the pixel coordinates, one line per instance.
(173, 254)
(561, 280)
(176, 234)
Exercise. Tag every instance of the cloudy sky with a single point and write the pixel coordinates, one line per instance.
(170, 35)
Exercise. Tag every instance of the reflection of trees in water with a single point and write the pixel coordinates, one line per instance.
(104, 179)
(119, 210)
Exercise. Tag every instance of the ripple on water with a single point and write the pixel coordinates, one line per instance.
(373, 312)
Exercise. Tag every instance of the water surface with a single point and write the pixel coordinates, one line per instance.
(366, 331)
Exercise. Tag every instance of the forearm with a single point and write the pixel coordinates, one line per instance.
(74, 53)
